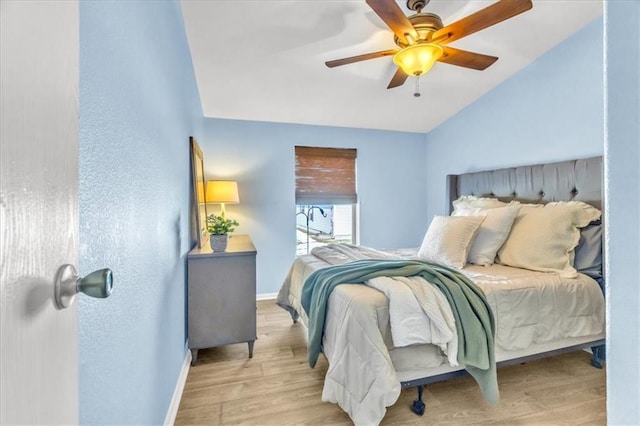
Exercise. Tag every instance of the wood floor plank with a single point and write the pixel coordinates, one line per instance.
(277, 387)
(245, 389)
(463, 403)
(592, 412)
(209, 414)
(303, 402)
(223, 372)
(240, 352)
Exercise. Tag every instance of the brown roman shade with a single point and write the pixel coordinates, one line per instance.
(325, 175)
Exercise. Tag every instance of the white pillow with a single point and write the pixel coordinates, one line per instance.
(473, 202)
(544, 238)
(448, 239)
(492, 233)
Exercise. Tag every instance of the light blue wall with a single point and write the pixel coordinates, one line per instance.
(138, 106)
(260, 156)
(622, 183)
(551, 110)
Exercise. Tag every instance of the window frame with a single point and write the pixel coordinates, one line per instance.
(308, 198)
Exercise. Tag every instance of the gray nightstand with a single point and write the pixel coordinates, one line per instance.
(222, 295)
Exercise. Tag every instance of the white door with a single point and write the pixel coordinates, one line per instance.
(39, 48)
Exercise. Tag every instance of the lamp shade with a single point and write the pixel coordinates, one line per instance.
(222, 192)
(418, 59)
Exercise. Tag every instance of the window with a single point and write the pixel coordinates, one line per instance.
(326, 196)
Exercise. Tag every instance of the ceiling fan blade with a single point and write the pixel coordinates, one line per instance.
(398, 79)
(463, 58)
(497, 12)
(366, 56)
(394, 17)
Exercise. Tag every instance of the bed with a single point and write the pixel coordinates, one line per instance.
(376, 342)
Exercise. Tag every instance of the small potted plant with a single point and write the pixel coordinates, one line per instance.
(219, 228)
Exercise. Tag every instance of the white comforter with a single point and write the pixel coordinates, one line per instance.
(419, 314)
(530, 308)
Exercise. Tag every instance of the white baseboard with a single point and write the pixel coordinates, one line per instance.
(266, 296)
(177, 393)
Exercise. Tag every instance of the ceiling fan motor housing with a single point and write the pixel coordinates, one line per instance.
(417, 5)
(425, 24)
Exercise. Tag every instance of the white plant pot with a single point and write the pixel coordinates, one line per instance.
(219, 242)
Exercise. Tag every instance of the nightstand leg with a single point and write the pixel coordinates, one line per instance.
(194, 356)
(250, 343)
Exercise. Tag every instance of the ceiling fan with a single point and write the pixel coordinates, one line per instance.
(422, 39)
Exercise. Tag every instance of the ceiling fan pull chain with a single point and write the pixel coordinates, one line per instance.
(417, 91)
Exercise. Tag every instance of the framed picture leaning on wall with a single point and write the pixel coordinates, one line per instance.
(199, 205)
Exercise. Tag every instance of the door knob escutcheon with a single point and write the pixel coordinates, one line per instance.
(67, 284)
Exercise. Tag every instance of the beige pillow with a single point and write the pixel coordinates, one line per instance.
(543, 238)
(473, 202)
(492, 233)
(448, 239)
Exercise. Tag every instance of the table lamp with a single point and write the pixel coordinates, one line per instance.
(222, 192)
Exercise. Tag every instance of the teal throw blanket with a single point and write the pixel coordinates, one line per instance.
(474, 320)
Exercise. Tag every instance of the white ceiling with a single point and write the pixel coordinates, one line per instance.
(264, 60)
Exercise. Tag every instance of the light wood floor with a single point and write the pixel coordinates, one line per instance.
(278, 387)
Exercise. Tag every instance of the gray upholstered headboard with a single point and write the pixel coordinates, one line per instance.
(579, 180)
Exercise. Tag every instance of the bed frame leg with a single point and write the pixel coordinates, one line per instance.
(418, 404)
(597, 355)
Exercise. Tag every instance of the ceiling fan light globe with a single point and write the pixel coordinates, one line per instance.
(418, 59)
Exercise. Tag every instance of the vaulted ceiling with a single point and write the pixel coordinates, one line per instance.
(264, 60)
